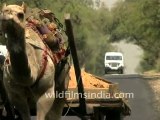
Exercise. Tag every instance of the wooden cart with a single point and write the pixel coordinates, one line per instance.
(92, 108)
(100, 104)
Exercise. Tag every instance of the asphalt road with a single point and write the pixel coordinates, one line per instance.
(142, 102)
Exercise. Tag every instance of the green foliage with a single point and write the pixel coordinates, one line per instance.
(138, 21)
(88, 25)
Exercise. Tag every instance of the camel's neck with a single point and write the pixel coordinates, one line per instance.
(19, 63)
(17, 50)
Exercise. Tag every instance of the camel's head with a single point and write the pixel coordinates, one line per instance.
(14, 12)
(13, 16)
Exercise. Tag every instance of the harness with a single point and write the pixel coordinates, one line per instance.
(55, 57)
(43, 66)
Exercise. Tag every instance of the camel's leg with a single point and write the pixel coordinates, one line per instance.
(56, 111)
(17, 97)
(45, 103)
(22, 106)
(49, 107)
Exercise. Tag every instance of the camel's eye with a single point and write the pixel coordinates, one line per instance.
(20, 16)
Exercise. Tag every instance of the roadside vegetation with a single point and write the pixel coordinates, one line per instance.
(138, 21)
(88, 25)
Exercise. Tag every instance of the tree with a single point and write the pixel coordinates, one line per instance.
(139, 22)
(88, 25)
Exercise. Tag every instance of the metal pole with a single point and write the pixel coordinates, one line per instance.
(73, 50)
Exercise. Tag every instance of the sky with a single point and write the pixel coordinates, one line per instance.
(109, 3)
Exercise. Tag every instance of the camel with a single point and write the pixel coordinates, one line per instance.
(29, 71)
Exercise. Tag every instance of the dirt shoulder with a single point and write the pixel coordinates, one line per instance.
(153, 80)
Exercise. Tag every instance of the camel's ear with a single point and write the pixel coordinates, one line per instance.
(24, 6)
(4, 6)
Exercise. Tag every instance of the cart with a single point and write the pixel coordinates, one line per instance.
(102, 108)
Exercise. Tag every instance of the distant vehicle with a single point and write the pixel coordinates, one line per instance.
(114, 61)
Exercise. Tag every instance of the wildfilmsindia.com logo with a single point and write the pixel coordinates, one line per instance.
(89, 95)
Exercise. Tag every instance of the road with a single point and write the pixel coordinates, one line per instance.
(142, 103)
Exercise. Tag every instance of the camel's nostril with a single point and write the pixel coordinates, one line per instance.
(20, 16)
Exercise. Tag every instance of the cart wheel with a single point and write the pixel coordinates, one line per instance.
(120, 71)
(114, 115)
(106, 71)
(98, 114)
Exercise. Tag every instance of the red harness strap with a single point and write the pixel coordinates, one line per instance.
(44, 65)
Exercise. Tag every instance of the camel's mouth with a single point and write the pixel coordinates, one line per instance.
(12, 26)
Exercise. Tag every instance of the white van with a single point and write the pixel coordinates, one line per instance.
(113, 61)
